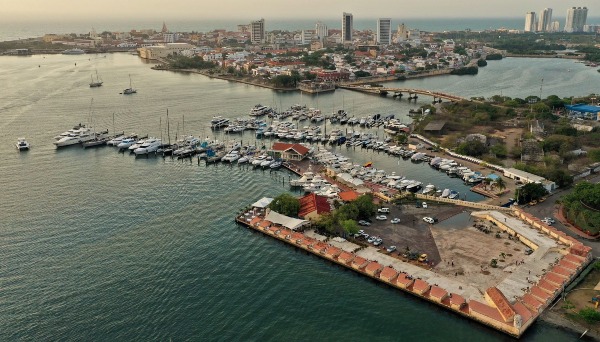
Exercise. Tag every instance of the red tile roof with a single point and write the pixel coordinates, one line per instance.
(264, 223)
(348, 196)
(485, 310)
(567, 264)
(561, 271)
(531, 303)
(285, 232)
(279, 146)
(402, 279)
(420, 286)
(373, 267)
(577, 260)
(319, 246)
(523, 312)
(554, 279)
(457, 299)
(388, 273)
(500, 301)
(333, 251)
(313, 202)
(358, 261)
(546, 286)
(540, 294)
(345, 257)
(307, 241)
(438, 292)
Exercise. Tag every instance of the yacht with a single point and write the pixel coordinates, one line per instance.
(243, 160)
(445, 193)
(306, 178)
(73, 52)
(429, 189)
(149, 146)
(259, 110)
(75, 130)
(136, 145)
(96, 83)
(129, 90)
(231, 157)
(73, 138)
(258, 160)
(453, 194)
(126, 143)
(22, 144)
(267, 162)
(414, 186)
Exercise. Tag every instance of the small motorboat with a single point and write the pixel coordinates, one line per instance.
(22, 144)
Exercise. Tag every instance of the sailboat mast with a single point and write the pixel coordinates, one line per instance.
(168, 128)
(160, 128)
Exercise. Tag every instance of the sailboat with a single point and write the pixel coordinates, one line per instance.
(97, 83)
(129, 90)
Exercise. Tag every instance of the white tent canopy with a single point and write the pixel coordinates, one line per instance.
(263, 202)
(286, 221)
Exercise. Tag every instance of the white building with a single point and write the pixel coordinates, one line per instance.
(257, 31)
(306, 36)
(321, 31)
(527, 177)
(545, 20)
(530, 22)
(163, 51)
(170, 37)
(347, 27)
(384, 31)
(576, 19)
(554, 26)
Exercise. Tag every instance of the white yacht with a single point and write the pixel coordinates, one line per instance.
(149, 146)
(75, 130)
(429, 189)
(126, 143)
(74, 138)
(445, 193)
(306, 178)
(22, 144)
(136, 145)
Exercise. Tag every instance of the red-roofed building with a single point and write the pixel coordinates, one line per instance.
(540, 294)
(264, 224)
(522, 311)
(289, 151)
(554, 279)
(531, 303)
(332, 252)
(359, 262)
(546, 286)
(403, 281)
(345, 257)
(373, 268)
(561, 271)
(575, 259)
(485, 313)
(319, 247)
(438, 294)
(348, 196)
(421, 286)
(254, 222)
(497, 298)
(388, 274)
(312, 206)
(306, 242)
(457, 301)
(297, 236)
(567, 264)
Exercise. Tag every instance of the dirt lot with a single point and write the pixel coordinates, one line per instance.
(466, 252)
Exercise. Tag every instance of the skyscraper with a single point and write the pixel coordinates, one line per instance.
(545, 20)
(384, 31)
(576, 19)
(347, 27)
(257, 31)
(530, 22)
(321, 31)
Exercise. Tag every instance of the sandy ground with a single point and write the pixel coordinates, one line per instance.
(466, 253)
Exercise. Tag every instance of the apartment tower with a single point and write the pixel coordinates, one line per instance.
(384, 31)
(257, 31)
(576, 19)
(347, 27)
(530, 22)
(545, 20)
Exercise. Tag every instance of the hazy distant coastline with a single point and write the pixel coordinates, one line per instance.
(19, 30)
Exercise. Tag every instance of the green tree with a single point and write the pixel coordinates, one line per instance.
(350, 226)
(499, 150)
(530, 192)
(365, 206)
(594, 155)
(286, 204)
(473, 148)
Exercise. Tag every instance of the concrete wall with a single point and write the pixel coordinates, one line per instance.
(463, 203)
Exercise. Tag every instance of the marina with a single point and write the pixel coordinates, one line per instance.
(137, 236)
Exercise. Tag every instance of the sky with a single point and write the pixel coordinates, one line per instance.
(76, 10)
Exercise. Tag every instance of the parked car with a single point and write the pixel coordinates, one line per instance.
(378, 241)
(372, 239)
(381, 217)
(390, 249)
(423, 258)
(361, 232)
(429, 220)
(365, 236)
(424, 205)
(395, 220)
(383, 210)
(528, 251)
(364, 223)
(549, 219)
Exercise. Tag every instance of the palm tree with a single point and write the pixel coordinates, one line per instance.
(500, 183)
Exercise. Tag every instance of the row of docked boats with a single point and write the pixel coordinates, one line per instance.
(80, 134)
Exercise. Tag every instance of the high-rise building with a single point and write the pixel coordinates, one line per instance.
(576, 19)
(554, 26)
(402, 33)
(257, 31)
(545, 20)
(347, 27)
(530, 22)
(384, 31)
(321, 31)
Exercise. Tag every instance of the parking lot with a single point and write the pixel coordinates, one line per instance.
(412, 232)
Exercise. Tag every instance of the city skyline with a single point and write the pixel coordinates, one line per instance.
(235, 9)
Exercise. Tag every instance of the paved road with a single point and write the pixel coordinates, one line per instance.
(546, 209)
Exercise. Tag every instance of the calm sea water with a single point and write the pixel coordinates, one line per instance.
(97, 245)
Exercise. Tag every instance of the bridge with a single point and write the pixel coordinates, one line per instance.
(399, 92)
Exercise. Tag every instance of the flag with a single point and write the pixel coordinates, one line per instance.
(369, 164)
